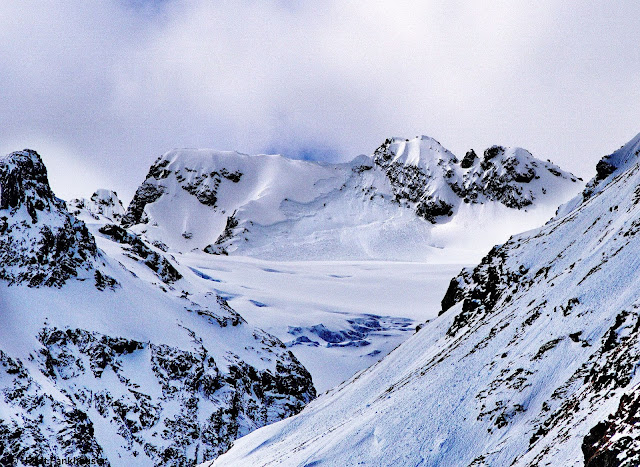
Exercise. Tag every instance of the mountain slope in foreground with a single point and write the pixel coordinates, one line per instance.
(109, 349)
(412, 200)
(532, 361)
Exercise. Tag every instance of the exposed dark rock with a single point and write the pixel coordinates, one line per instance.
(501, 180)
(456, 290)
(198, 413)
(158, 169)
(141, 251)
(171, 406)
(362, 168)
(204, 186)
(40, 242)
(616, 441)
(231, 176)
(607, 166)
(219, 247)
(604, 169)
(24, 182)
(431, 210)
(411, 184)
(492, 152)
(103, 204)
(500, 176)
(468, 159)
(103, 281)
(146, 193)
(303, 340)
(480, 290)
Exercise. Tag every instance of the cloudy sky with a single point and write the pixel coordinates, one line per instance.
(102, 88)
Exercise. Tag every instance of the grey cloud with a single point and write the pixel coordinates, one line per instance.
(103, 88)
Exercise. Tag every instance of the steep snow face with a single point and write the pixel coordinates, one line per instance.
(532, 361)
(128, 359)
(104, 206)
(190, 197)
(40, 243)
(412, 200)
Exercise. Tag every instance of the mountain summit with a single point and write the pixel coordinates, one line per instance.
(423, 172)
(410, 200)
(118, 343)
(40, 242)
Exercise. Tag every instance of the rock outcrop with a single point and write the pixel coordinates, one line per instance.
(40, 242)
(104, 205)
(109, 353)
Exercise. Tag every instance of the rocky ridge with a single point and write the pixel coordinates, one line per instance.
(434, 182)
(233, 202)
(110, 351)
(103, 204)
(40, 242)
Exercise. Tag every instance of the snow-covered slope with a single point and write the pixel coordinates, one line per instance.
(351, 316)
(103, 206)
(412, 200)
(111, 351)
(533, 360)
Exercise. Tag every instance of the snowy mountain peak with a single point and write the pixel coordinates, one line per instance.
(421, 151)
(513, 177)
(137, 362)
(429, 177)
(24, 182)
(468, 159)
(104, 206)
(268, 206)
(40, 242)
(192, 170)
(108, 198)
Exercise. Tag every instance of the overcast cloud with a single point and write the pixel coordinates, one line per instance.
(102, 88)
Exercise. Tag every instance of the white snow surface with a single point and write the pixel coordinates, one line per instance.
(104, 206)
(382, 300)
(517, 382)
(322, 256)
(143, 309)
(290, 210)
(127, 356)
(322, 247)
